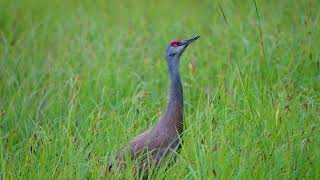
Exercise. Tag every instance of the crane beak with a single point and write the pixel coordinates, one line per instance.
(185, 44)
(191, 40)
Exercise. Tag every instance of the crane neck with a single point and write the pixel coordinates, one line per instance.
(174, 111)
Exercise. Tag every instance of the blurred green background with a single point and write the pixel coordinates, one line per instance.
(80, 78)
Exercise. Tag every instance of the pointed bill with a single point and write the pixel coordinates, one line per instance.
(191, 40)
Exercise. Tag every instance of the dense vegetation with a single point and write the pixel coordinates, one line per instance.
(77, 80)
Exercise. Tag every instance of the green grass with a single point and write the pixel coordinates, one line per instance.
(78, 80)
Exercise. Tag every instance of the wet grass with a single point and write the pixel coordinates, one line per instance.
(77, 80)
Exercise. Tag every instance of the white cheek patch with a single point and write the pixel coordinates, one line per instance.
(179, 48)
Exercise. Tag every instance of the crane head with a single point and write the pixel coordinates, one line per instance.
(177, 47)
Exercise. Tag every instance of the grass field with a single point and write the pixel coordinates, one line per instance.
(78, 80)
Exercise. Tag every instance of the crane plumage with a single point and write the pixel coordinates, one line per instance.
(165, 136)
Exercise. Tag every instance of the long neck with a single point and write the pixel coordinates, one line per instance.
(174, 112)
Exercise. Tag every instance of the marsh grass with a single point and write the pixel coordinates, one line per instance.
(78, 80)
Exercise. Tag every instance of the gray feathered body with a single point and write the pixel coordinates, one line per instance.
(165, 136)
